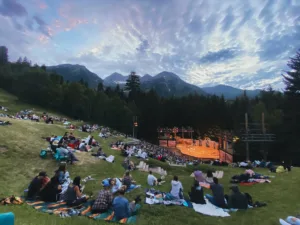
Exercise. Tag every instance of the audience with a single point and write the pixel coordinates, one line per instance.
(237, 200)
(177, 189)
(115, 185)
(196, 194)
(151, 179)
(36, 185)
(51, 191)
(104, 200)
(218, 198)
(122, 208)
(73, 196)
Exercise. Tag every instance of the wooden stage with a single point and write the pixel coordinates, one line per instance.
(201, 152)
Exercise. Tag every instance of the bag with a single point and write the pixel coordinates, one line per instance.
(43, 154)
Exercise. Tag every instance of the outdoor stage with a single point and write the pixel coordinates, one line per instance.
(201, 152)
(202, 149)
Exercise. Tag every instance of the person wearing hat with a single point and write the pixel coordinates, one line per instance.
(237, 200)
(104, 200)
(36, 185)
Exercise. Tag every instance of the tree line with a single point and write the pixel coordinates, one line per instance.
(116, 108)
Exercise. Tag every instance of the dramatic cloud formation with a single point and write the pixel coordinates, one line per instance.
(245, 43)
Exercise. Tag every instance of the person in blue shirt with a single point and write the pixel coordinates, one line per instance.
(122, 208)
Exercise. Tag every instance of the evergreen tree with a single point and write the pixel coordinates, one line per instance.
(133, 83)
(291, 109)
(3, 55)
(100, 87)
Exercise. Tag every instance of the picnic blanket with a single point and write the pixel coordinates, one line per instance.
(62, 210)
(157, 197)
(211, 210)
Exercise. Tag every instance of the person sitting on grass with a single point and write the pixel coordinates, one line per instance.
(122, 208)
(51, 191)
(177, 189)
(196, 194)
(74, 196)
(99, 153)
(237, 200)
(218, 198)
(209, 177)
(115, 185)
(153, 181)
(127, 180)
(36, 185)
(290, 220)
(104, 200)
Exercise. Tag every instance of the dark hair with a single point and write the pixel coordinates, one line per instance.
(121, 191)
(62, 168)
(175, 178)
(76, 180)
(209, 173)
(127, 173)
(216, 181)
(150, 172)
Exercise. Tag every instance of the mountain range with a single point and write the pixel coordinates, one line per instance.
(166, 84)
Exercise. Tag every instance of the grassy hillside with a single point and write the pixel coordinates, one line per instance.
(20, 163)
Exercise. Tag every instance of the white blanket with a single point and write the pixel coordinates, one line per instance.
(209, 209)
(110, 158)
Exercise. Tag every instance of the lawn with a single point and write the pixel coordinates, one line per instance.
(21, 162)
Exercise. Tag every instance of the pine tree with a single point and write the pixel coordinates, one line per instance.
(3, 55)
(100, 87)
(133, 83)
(291, 109)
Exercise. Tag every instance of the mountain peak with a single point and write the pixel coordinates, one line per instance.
(166, 75)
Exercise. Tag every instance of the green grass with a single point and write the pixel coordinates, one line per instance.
(21, 163)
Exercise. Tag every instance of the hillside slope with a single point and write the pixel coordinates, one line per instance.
(76, 73)
(20, 162)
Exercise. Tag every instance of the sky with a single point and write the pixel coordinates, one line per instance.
(241, 43)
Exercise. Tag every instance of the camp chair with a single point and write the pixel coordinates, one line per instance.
(60, 158)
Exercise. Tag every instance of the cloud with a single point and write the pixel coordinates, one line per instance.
(222, 55)
(243, 44)
(12, 8)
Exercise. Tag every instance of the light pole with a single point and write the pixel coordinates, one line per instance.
(134, 124)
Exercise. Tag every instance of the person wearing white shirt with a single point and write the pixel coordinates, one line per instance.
(152, 180)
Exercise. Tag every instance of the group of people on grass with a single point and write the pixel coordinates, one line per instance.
(60, 188)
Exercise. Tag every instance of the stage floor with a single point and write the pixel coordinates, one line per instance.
(199, 151)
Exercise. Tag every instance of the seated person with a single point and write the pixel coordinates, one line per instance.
(290, 220)
(218, 198)
(151, 179)
(51, 191)
(127, 180)
(82, 146)
(99, 153)
(237, 200)
(62, 174)
(122, 208)
(73, 196)
(209, 177)
(115, 185)
(177, 189)
(196, 194)
(104, 200)
(36, 185)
